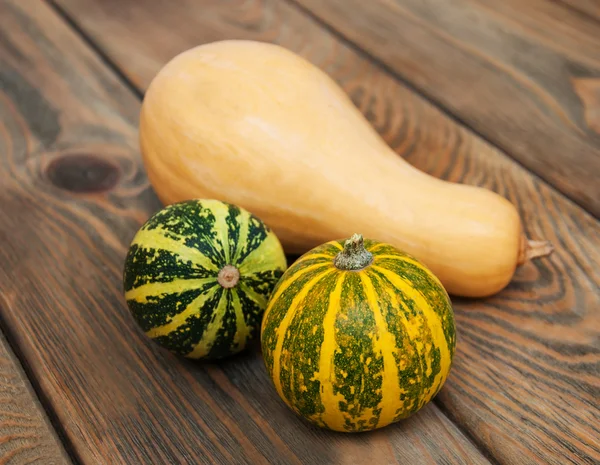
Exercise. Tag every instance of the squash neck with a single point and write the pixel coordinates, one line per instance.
(355, 256)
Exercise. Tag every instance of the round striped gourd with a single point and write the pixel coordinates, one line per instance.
(198, 276)
(358, 336)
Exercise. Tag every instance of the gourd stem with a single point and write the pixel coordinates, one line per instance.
(354, 256)
(537, 249)
(533, 249)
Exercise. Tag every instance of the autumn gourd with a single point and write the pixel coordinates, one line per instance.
(358, 335)
(258, 126)
(198, 276)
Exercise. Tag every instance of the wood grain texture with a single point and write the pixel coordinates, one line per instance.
(72, 195)
(511, 70)
(26, 436)
(525, 382)
(586, 8)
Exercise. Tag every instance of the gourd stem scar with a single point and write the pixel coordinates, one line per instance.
(229, 276)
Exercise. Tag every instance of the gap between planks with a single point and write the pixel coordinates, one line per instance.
(41, 426)
(88, 41)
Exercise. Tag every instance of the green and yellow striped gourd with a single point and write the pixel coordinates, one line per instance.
(358, 335)
(198, 276)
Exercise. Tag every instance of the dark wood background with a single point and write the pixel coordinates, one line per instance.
(504, 95)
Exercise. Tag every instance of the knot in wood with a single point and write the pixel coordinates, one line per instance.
(83, 173)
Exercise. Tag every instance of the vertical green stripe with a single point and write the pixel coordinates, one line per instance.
(425, 283)
(285, 290)
(186, 337)
(257, 233)
(303, 340)
(220, 211)
(358, 366)
(224, 341)
(234, 221)
(407, 356)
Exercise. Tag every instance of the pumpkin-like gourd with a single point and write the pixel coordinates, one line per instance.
(358, 336)
(198, 276)
(258, 126)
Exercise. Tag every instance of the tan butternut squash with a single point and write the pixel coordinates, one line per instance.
(255, 125)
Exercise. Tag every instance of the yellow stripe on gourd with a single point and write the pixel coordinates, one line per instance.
(287, 282)
(264, 257)
(332, 416)
(336, 244)
(378, 246)
(243, 332)
(385, 343)
(407, 259)
(284, 325)
(326, 255)
(434, 323)
(257, 298)
(193, 308)
(141, 293)
(316, 256)
(156, 239)
(243, 220)
(414, 335)
(220, 229)
(202, 348)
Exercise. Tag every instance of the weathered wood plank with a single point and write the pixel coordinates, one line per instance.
(525, 75)
(586, 8)
(72, 194)
(26, 435)
(526, 379)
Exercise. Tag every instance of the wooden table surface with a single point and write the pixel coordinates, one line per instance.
(501, 94)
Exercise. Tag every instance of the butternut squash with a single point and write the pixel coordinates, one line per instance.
(255, 125)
